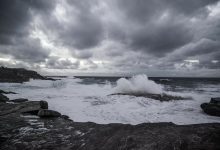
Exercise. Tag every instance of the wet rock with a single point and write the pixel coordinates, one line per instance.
(3, 98)
(213, 107)
(19, 100)
(31, 107)
(44, 104)
(48, 113)
(160, 97)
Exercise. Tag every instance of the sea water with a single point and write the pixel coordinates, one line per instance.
(86, 99)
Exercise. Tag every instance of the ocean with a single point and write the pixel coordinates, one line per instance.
(86, 99)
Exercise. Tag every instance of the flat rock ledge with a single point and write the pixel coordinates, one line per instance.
(22, 128)
(161, 97)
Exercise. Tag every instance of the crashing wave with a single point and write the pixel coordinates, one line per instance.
(139, 84)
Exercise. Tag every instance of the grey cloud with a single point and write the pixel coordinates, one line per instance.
(13, 20)
(15, 29)
(143, 11)
(59, 63)
(145, 33)
(90, 64)
(28, 50)
(82, 54)
(160, 39)
(84, 29)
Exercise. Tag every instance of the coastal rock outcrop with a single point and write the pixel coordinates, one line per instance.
(19, 75)
(213, 107)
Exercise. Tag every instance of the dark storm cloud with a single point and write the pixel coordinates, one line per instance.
(83, 30)
(163, 32)
(161, 27)
(87, 33)
(160, 39)
(144, 10)
(15, 19)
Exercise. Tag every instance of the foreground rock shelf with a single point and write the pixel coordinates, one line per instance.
(21, 128)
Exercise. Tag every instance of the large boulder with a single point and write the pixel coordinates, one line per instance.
(48, 113)
(212, 108)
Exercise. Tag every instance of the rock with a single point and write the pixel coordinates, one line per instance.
(64, 116)
(43, 104)
(19, 100)
(48, 113)
(3, 98)
(204, 105)
(160, 97)
(215, 100)
(19, 75)
(31, 107)
(213, 107)
(30, 132)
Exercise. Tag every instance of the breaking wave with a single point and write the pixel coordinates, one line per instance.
(139, 84)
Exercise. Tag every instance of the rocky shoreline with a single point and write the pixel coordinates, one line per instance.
(19, 75)
(25, 125)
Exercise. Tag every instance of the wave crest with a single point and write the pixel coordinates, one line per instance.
(139, 84)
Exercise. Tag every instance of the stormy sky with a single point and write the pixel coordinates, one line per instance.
(112, 37)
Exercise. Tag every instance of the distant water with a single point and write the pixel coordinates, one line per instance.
(87, 98)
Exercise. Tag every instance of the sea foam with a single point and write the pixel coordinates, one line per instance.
(93, 102)
(139, 84)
